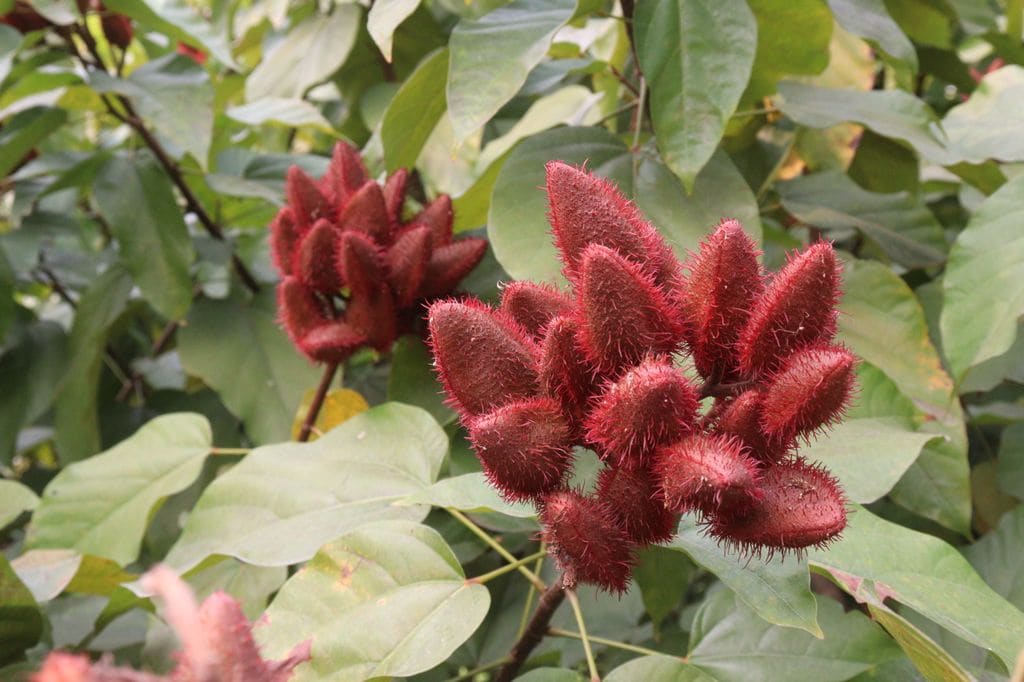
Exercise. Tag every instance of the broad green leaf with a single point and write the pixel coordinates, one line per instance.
(983, 288)
(308, 54)
(76, 416)
(25, 131)
(900, 223)
(658, 669)
(250, 585)
(101, 506)
(551, 675)
(471, 206)
(384, 17)
(925, 22)
(238, 349)
(283, 501)
(492, 56)
(696, 56)
(293, 113)
(892, 113)
(412, 379)
(48, 572)
(663, 576)
(1011, 461)
(779, 591)
(30, 372)
(868, 456)
(882, 321)
(414, 112)
(178, 20)
(518, 227)
(385, 600)
(136, 199)
(983, 127)
(15, 498)
(799, 48)
(877, 560)
(21, 623)
(731, 644)
(870, 20)
(998, 556)
(60, 12)
(931, 659)
(469, 492)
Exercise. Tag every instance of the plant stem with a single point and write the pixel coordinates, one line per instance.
(476, 671)
(591, 664)
(525, 618)
(229, 451)
(615, 644)
(318, 401)
(491, 575)
(496, 546)
(534, 632)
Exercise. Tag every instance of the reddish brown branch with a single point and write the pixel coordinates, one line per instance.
(318, 402)
(534, 632)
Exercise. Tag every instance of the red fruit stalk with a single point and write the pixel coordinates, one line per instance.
(354, 272)
(595, 367)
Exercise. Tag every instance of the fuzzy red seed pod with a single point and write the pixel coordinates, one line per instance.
(649, 406)
(564, 374)
(586, 541)
(585, 209)
(314, 262)
(318, 337)
(484, 360)
(335, 341)
(724, 281)
(802, 505)
(624, 316)
(812, 390)
(449, 264)
(366, 212)
(742, 418)
(534, 305)
(117, 28)
(345, 174)
(373, 315)
(797, 309)
(525, 447)
(284, 240)
(359, 263)
(407, 263)
(632, 497)
(307, 202)
(394, 194)
(707, 473)
(438, 216)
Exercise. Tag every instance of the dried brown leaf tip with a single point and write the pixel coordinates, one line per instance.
(354, 270)
(595, 366)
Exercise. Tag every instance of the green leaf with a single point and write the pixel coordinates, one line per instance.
(799, 48)
(283, 501)
(480, 84)
(21, 623)
(518, 227)
(982, 127)
(293, 113)
(177, 20)
(412, 379)
(48, 572)
(385, 600)
(868, 455)
(101, 506)
(777, 590)
(998, 557)
(883, 322)
(924, 21)
(471, 493)
(384, 17)
(870, 20)
(1011, 461)
(136, 199)
(308, 55)
(663, 576)
(932, 660)
(30, 371)
(76, 417)
(983, 288)
(658, 669)
(877, 560)
(23, 132)
(731, 644)
(892, 113)
(15, 498)
(238, 349)
(697, 56)
(903, 226)
(414, 112)
(551, 675)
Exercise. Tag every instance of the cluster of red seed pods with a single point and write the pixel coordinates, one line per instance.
(354, 270)
(594, 366)
(116, 27)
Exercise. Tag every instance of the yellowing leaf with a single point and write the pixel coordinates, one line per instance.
(339, 405)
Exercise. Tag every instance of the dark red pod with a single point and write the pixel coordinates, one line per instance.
(634, 500)
(345, 174)
(284, 241)
(534, 305)
(117, 28)
(407, 263)
(708, 474)
(812, 390)
(586, 541)
(742, 418)
(366, 212)
(320, 338)
(449, 264)
(394, 194)
(359, 264)
(525, 447)
(314, 265)
(307, 202)
(564, 374)
(438, 216)
(372, 314)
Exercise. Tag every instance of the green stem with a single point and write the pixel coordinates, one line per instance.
(229, 451)
(591, 664)
(496, 546)
(491, 575)
(525, 619)
(615, 644)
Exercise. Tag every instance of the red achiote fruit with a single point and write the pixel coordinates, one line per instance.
(741, 418)
(564, 373)
(587, 541)
(801, 506)
(534, 305)
(525, 447)
(365, 271)
(632, 497)
(24, 19)
(810, 391)
(707, 473)
(116, 27)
